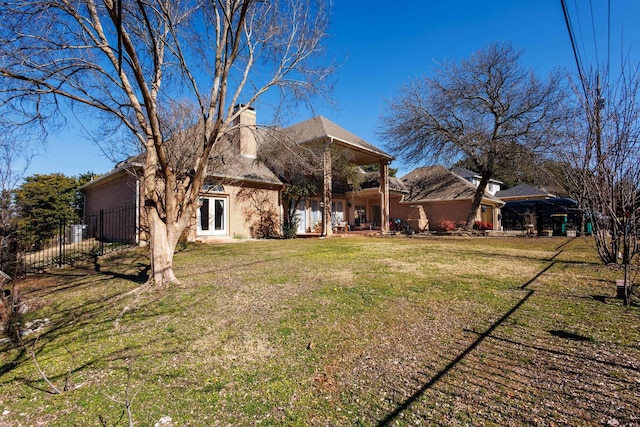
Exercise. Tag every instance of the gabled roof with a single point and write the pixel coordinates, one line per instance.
(226, 164)
(436, 183)
(522, 191)
(319, 128)
(232, 166)
(465, 173)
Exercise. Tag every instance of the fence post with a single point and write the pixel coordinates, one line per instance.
(61, 226)
(101, 231)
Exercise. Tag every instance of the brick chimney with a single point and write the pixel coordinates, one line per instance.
(246, 134)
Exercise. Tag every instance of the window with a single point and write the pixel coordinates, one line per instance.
(337, 212)
(360, 213)
(213, 187)
(316, 213)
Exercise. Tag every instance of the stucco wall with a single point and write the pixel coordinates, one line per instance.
(251, 212)
(254, 211)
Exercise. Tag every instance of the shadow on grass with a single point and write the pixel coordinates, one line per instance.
(569, 335)
(453, 363)
(140, 277)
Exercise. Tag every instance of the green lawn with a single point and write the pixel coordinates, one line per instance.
(342, 331)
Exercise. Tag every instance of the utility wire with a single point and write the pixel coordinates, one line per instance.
(593, 31)
(608, 42)
(573, 46)
(578, 33)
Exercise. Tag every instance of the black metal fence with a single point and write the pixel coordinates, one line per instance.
(101, 232)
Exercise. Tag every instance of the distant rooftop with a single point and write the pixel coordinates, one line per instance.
(438, 183)
(468, 175)
(522, 191)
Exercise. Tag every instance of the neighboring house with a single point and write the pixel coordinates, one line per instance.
(538, 211)
(492, 187)
(444, 195)
(242, 197)
(523, 192)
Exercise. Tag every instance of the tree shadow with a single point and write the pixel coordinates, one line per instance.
(453, 363)
(600, 298)
(438, 376)
(569, 335)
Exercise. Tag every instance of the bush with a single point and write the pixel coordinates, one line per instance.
(447, 225)
(290, 231)
(461, 224)
(482, 226)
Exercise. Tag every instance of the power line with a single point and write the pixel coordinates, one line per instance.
(573, 46)
(608, 42)
(593, 31)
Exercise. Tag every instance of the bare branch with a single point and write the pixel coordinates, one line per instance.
(138, 66)
(485, 109)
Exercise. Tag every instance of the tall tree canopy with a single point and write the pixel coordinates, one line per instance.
(42, 201)
(488, 109)
(139, 65)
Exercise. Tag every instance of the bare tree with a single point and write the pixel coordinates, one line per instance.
(603, 163)
(488, 108)
(135, 62)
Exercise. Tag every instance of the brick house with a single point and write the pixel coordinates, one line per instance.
(439, 194)
(241, 197)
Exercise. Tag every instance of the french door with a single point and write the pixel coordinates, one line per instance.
(212, 216)
(301, 212)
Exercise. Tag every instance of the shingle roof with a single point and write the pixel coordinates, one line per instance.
(433, 183)
(225, 163)
(319, 127)
(523, 190)
(463, 172)
(372, 180)
(231, 165)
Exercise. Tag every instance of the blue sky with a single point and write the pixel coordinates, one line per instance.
(384, 44)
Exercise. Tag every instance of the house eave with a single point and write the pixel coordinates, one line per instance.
(110, 175)
(236, 179)
(371, 155)
(484, 201)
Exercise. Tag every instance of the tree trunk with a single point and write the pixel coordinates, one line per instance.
(327, 230)
(477, 201)
(162, 243)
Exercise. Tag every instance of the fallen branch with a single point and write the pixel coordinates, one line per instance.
(128, 396)
(53, 388)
